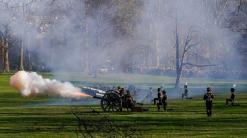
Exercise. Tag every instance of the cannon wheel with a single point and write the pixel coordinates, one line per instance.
(111, 102)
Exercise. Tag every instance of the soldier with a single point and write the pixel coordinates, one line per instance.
(164, 100)
(185, 94)
(208, 97)
(159, 99)
(129, 100)
(156, 99)
(121, 92)
(232, 98)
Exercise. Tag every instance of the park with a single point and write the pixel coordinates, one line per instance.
(46, 117)
(123, 68)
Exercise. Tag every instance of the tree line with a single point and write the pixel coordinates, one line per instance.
(111, 18)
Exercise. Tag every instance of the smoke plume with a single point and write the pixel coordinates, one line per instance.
(123, 36)
(32, 84)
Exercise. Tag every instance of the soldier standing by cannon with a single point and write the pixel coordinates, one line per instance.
(120, 91)
(158, 95)
(164, 100)
(208, 97)
(159, 99)
(232, 98)
(129, 100)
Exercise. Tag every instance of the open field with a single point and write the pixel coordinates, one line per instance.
(27, 117)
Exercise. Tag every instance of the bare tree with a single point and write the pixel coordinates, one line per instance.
(4, 45)
(185, 47)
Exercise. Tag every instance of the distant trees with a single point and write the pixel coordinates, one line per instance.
(9, 36)
(185, 45)
(5, 38)
(104, 32)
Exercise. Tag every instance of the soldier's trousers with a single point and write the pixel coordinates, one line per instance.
(164, 106)
(209, 108)
(229, 100)
(158, 105)
(184, 95)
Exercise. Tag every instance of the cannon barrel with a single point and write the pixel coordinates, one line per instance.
(97, 97)
(95, 93)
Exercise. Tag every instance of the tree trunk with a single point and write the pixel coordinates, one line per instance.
(30, 66)
(178, 71)
(21, 58)
(157, 48)
(2, 58)
(157, 39)
(6, 58)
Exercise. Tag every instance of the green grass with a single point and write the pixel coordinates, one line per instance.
(183, 119)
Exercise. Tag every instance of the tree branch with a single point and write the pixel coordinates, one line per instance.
(197, 65)
(192, 45)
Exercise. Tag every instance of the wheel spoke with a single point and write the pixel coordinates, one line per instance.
(111, 102)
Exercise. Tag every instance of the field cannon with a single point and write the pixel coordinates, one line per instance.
(112, 101)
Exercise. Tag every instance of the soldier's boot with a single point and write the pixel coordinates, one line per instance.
(164, 108)
(210, 112)
(158, 107)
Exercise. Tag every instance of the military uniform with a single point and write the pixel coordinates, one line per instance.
(129, 100)
(208, 97)
(232, 98)
(159, 100)
(185, 94)
(121, 92)
(164, 100)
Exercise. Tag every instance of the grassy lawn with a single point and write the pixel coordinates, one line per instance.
(187, 118)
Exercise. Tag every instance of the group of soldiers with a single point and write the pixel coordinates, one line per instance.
(208, 97)
(129, 102)
(161, 100)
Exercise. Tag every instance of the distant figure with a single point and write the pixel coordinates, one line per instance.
(164, 100)
(129, 100)
(185, 94)
(232, 98)
(121, 92)
(208, 97)
(159, 99)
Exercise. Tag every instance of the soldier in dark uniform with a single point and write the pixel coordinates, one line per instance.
(159, 99)
(164, 100)
(121, 92)
(232, 98)
(129, 100)
(118, 88)
(208, 97)
(185, 94)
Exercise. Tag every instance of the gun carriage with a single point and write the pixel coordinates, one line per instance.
(113, 101)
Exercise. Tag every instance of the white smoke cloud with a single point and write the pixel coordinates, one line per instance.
(32, 84)
(67, 37)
